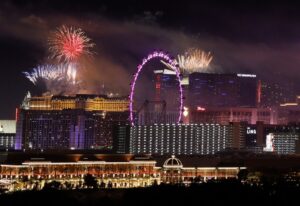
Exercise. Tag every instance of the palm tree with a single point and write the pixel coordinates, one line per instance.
(66, 170)
(90, 181)
(22, 171)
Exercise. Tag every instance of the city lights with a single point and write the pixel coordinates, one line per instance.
(95, 111)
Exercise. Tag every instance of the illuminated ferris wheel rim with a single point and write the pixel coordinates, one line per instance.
(173, 63)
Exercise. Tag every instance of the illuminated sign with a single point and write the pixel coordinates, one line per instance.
(289, 104)
(200, 109)
(247, 75)
(250, 131)
(269, 143)
(185, 111)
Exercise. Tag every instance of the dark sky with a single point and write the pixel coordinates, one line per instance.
(243, 36)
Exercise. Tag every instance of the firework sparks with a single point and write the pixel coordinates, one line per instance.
(194, 60)
(52, 73)
(69, 44)
(58, 79)
(47, 72)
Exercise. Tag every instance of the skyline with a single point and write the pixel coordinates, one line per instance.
(250, 38)
(126, 102)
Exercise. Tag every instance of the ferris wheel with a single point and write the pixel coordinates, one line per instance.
(172, 62)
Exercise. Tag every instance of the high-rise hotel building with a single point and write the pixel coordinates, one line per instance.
(223, 90)
(69, 122)
(186, 139)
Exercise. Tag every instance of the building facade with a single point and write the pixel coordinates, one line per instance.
(110, 171)
(121, 139)
(166, 88)
(285, 143)
(64, 122)
(187, 139)
(222, 90)
(7, 134)
(274, 94)
(288, 113)
(280, 139)
(225, 115)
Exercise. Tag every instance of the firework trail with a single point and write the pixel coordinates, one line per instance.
(72, 72)
(68, 44)
(194, 60)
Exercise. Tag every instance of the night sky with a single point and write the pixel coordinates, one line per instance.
(255, 37)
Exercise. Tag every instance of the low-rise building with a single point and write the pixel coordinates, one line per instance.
(116, 171)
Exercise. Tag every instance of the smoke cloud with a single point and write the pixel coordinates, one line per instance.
(122, 44)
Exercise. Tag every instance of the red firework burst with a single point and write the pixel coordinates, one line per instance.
(69, 44)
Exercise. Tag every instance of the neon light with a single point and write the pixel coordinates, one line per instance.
(185, 111)
(17, 114)
(289, 104)
(247, 75)
(87, 163)
(200, 109)
(170, 61)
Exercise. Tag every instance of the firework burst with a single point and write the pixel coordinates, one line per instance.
(57, 79)
(68, 44)
(194, 60)
(52, 73)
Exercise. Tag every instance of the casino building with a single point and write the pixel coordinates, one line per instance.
(115, 171)
(69, 122)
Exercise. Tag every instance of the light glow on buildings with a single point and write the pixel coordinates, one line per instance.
(127, 172)
(269, 143)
